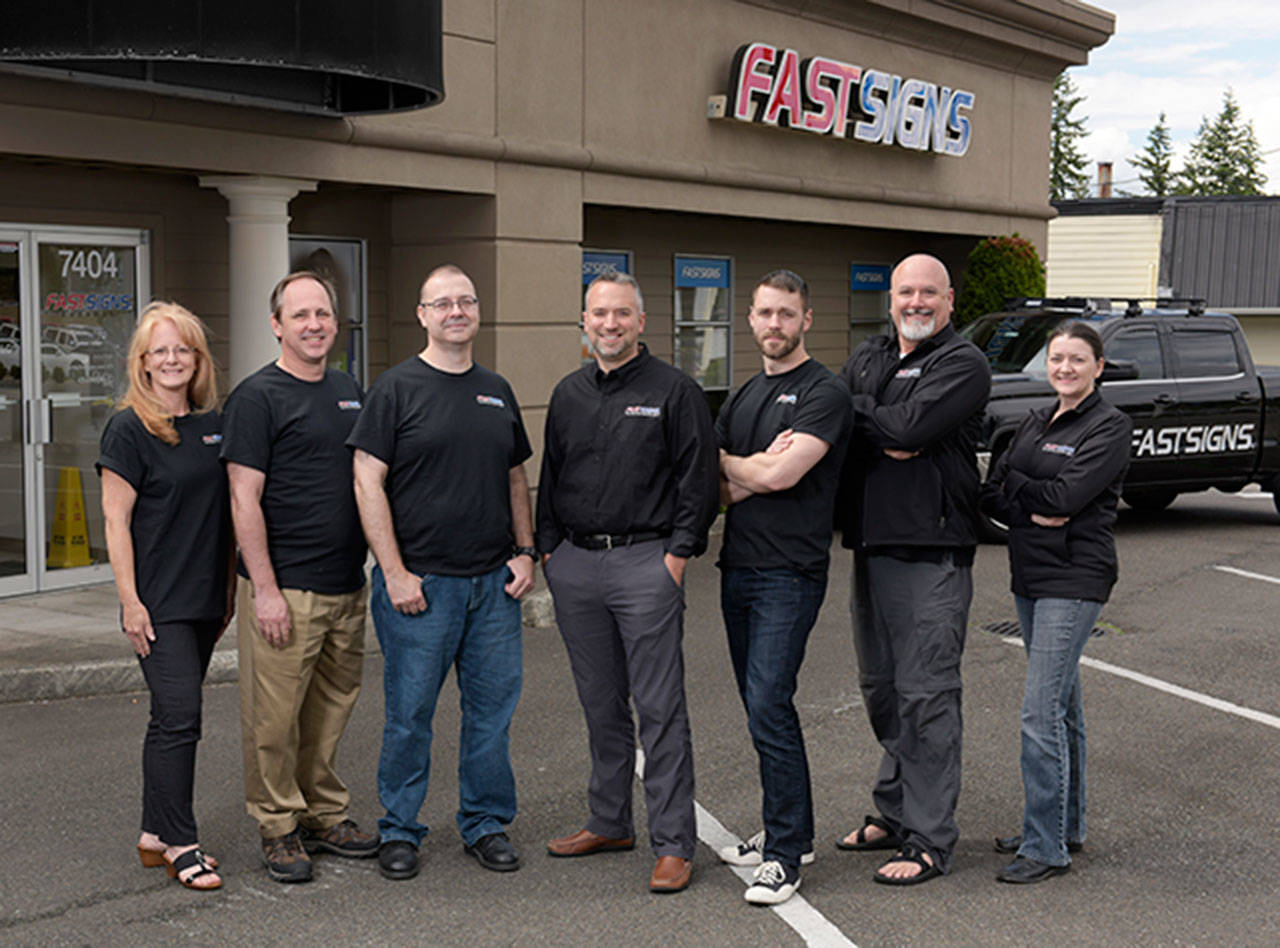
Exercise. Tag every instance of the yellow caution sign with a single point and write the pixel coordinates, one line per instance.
(69, 538)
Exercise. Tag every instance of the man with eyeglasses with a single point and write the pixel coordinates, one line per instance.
(301, 598)
(440, 482)
(627, 491)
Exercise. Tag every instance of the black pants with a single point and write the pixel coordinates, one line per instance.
(174, 672)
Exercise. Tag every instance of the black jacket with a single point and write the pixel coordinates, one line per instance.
(1071, 467)
(930, 402)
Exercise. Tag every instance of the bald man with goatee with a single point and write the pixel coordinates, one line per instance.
(909, 512)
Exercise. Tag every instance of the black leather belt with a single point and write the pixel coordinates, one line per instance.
(607, 541)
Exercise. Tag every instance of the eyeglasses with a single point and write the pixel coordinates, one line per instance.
(182, 352)
(444, 304)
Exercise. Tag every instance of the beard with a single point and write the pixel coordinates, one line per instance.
(915, 331)
(777, 346)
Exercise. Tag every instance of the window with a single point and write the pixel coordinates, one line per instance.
(868, 302)
(1142, 348)
(704, 323)
(1202, 353)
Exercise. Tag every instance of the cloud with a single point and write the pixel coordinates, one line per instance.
(1179, 57)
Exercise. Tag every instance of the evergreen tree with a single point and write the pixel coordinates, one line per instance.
(1224, 158)
(1067, 163)
(1156, 172)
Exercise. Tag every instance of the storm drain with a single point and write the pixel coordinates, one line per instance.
(1011, 627)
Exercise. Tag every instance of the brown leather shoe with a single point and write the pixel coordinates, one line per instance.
(584, 843)
(671, 874)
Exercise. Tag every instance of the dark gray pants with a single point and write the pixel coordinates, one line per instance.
(909, 624)
(622, 618)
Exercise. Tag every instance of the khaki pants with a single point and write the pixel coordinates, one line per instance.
(294, 706)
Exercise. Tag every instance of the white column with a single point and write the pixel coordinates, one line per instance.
(259, 222)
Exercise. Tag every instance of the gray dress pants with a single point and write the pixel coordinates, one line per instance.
(909, 622)
(622, 619)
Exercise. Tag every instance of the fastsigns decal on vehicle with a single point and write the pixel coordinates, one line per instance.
(1193, 439)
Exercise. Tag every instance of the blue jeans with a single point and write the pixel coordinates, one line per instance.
(768, 615)
(1054, 632)
(472, 624)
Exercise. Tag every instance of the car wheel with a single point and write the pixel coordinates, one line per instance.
(1149, 501)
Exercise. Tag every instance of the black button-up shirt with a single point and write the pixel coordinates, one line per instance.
(626, 452)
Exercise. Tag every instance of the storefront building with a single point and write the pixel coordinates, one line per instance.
(695, 145)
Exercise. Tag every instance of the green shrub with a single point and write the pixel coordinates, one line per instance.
(998, 268)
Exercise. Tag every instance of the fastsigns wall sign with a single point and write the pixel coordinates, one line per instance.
(772, 85)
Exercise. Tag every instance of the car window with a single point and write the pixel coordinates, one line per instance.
(1141, 347)
(1200, 353)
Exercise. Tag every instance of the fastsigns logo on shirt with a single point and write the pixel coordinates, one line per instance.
(493, 401)
(785, 398)
(642, 411)
(349, 404)
(1064, 449)
(911, 373)
(211, 438)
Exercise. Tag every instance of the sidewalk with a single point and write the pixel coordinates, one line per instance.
(68, 644)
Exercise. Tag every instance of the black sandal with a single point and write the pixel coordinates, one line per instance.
(192, 857)
(862, 844)
(908, 854)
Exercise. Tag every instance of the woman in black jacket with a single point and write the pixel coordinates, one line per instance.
(1056, 487)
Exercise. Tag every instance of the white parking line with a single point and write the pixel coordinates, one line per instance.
(805, 920)
(1270, 720)
(1247, 575)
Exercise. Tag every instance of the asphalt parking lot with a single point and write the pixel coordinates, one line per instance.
(1184, 764)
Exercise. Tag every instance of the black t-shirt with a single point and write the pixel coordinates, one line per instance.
(295, 432)
(449, 442)
(788, 528)
(181, 518)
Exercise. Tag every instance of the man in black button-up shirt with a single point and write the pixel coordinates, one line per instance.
(628, 489)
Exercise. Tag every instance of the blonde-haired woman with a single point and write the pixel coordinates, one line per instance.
(165, 503)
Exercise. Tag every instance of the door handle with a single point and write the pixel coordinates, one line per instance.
(1164, 398)
(39, 420)
(1247, 396)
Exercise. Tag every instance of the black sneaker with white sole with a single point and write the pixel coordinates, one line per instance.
(772, 883)
(751, 852)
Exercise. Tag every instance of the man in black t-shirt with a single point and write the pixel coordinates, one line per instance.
(627, 492)
(782, 439)
(439, 470)
(301, 598)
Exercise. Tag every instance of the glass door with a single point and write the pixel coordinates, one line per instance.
(16, 570)
(77, 296)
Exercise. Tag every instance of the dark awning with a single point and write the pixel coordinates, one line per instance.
(334, 57)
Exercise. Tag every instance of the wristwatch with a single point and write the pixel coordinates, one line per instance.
(529, 551)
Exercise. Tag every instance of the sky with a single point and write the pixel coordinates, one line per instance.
(1180, 56)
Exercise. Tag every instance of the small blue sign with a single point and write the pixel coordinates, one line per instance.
(702, 271)
(867, 278)
(595, 263)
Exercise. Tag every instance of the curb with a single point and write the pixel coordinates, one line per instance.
(53, 682)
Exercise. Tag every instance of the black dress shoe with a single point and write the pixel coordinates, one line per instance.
(1011, 844)
(1023, 870)
(495, 852)
(398, 859)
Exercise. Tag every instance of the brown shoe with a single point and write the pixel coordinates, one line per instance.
(341, 839)
(286, 860)
(584, 843)
(671, 874)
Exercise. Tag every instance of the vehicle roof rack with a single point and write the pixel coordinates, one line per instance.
(1080, 304)
(1194, 305)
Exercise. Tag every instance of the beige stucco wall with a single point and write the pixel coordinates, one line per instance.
(1116, 255)
(554, 112)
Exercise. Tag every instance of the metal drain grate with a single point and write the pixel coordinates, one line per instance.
(1011, 627)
